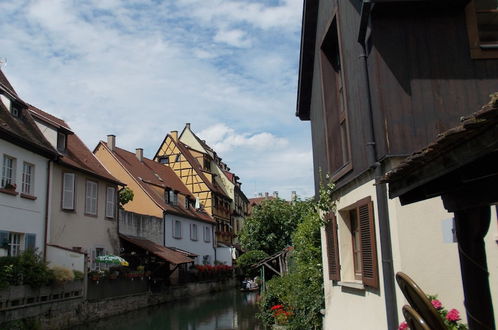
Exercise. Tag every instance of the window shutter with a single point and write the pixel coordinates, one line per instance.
(370, 274)
(68, 191)
(30, 241)
(109, 210)
(332, 247)
(4, 239)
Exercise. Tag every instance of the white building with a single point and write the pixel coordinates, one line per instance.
(25, 158)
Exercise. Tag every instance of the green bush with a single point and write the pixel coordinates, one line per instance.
(78, 276)
(300, 291)
(245, 261)
(28, 268)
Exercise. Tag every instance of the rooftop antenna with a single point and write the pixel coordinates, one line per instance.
(3, 62)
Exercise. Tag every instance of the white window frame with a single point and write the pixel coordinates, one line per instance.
(193, 232)
(68, 191)
(91, 195)
(177, 229)
(8, 170)
(207, 234)
(15, 244)
(28, 174)
(110, 202)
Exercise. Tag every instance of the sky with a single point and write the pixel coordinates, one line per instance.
(142, 68)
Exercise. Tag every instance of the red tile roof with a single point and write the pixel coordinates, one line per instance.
(165, 253)
(150, 173)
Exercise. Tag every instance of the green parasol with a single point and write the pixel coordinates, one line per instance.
(111, 259)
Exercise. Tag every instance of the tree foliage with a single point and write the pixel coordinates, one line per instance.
(301, 290)
(125, 195)
(270, 227)
(245, 261)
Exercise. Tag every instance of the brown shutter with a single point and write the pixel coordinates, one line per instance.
(332, 247)
(370, 274)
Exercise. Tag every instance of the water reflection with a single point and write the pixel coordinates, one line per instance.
(225, 310)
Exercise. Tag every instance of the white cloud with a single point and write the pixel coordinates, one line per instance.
(139, 69)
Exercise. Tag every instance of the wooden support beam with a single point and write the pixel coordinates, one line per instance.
(471, 227)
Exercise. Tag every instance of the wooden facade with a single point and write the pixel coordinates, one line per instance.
(422, 79)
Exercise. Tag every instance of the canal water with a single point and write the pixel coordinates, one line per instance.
(230, 309)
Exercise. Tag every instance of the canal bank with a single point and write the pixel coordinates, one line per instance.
(227, 310)
(68, 313)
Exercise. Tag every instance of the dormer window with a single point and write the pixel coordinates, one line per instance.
(61, 141)
(187, 203)
(171, 197)
(15, 111)
(164, 160)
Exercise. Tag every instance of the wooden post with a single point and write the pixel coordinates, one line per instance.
(472, 224)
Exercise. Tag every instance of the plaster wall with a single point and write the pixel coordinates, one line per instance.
(18, 214)
(75, 228)
(49, 132)
(199, 246)
(419, 250)
(141, 203)
(65, 258)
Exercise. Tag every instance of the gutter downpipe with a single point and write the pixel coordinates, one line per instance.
(380, 189)
(47, 206)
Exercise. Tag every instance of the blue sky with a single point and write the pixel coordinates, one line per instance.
(141, 68)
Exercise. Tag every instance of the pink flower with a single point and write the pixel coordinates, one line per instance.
(403, 326)
(436, 304)
(453, 315)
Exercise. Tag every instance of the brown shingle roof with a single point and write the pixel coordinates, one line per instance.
(165, 253)
(77, 155)
(22, 130)
(471, 126)
(149, 173)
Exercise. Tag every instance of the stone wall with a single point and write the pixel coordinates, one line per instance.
(140, 225)
(60, 315)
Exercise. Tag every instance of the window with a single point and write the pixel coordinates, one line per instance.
(193, 232)
(482, 28)
(207, 234)
(16, 112)
(68, 191)
(177, 229)
(172, 197)
(164, 159)
(28, 172)
(91, 198)
(187, 202)
(334, 105)
(357, 259)
(14, 244)
(207, 164)
(8, 171)
(110, 202)
(61, 141)
(177, 159)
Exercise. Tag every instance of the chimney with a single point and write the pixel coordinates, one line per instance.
(140, 154)
(275, 194)
(174, 135)
(111, 141)
(266, 195)
(293, 196)
(187, 125)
